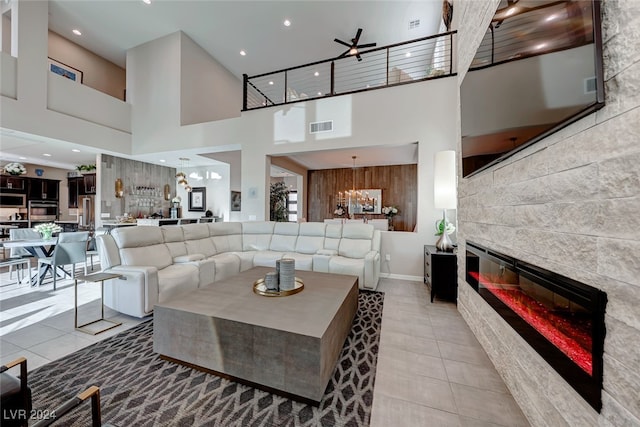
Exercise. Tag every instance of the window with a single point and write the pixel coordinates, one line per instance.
(292, 206)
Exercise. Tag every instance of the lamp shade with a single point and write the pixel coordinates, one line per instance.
(444, 180)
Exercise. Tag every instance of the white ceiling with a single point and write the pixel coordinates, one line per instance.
(223, 28)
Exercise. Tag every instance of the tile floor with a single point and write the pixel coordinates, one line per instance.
(431, 370)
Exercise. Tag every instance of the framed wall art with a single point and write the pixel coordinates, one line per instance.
(197, 199)
(235, 201)
(65, 70)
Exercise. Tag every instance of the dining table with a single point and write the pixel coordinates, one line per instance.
(39, 248)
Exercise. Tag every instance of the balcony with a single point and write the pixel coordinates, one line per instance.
(401, 63)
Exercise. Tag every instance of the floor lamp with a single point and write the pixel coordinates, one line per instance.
(444, 192)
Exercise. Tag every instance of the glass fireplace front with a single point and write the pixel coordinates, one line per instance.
(563, 320)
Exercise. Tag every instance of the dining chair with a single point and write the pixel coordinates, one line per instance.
(92, 251)
(17, 400)
(18, 253)
(71, 248)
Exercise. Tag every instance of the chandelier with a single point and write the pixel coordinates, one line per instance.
(358, 201)
(181, 176)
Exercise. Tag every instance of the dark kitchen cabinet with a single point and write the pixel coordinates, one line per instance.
(441, 273)
(12, 184)
(74, 188)
(44, 189)
(87, 184)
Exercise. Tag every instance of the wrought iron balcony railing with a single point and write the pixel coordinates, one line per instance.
(401, 63)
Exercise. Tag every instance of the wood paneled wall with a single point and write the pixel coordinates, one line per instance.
(399, 186)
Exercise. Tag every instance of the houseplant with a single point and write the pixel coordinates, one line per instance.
(440, 228)
(279, 193)
(47, 229)
(15, 168)
(390, 212)
(85, 168)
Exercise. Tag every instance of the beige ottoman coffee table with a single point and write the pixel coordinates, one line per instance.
(287, 345)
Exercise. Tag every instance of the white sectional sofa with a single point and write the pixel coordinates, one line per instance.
(157, 263)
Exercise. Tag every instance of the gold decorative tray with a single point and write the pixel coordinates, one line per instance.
(260, 288)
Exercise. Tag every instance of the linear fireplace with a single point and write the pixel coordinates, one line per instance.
(562, 319)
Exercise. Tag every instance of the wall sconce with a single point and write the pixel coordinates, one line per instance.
(444, 192)
(167, 192)
(119, 188)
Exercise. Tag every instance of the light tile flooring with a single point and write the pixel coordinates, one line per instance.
(431, 369)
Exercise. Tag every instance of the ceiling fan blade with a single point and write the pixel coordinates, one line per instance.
(357, 37)
(359, 57)
(362, 46)
(343, 43)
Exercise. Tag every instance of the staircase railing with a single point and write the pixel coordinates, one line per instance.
(401, 63)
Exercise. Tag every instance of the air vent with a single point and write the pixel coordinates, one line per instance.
(318, 127)
(414, 24)
(590, 85)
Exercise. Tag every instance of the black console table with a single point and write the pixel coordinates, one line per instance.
(441, 273)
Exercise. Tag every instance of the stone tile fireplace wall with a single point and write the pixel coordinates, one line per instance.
(569, 204)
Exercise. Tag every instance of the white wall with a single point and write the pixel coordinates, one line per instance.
(208, 91)
(28, 112)
(217, 190)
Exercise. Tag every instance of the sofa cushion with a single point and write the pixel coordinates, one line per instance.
(332, 236)
(197, 240)
(310, 238)
(256, 235)
(174, 239)
(356, 240)
(303, 261)
(176, 279)
(226, 236)
(266, 258)
(350, 266)
(227, 265)
(284, 236)
(142, 246)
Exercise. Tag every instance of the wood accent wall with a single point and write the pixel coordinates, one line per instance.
(399, 186)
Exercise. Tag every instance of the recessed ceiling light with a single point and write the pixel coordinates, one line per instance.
(271, 82)
(541, 46)
(162, 160)
(551, 17)
(319, 93)
(75, 150)
(316, 74)
(408, 54)
(243, 53)
(46, 154)
(76, 32)
(146, 1)
(287, 23)
(22, 158)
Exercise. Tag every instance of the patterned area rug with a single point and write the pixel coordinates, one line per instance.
(137, 388)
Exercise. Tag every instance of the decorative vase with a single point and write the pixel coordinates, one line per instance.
(47, 235)
(390, 220)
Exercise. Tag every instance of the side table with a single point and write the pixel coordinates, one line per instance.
(96, 277)
(441, 273)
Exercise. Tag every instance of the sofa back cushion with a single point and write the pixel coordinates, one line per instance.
(197, 240)
(332, 236)
(174, 239)
(357, 240)
(284, 237)
(226, 236)
(142, 246)
(256, 235)
(310, 237)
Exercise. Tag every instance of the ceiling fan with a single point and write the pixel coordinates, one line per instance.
(354, 46)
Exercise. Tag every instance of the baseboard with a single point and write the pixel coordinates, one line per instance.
(401, 277)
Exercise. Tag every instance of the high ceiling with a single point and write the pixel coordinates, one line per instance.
(224, 28)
